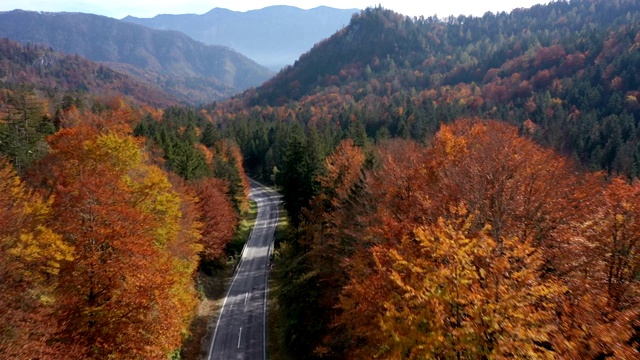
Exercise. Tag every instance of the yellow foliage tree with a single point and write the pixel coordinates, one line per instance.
(177, 232)
(129, 292)
(30, 257)
(453, 293)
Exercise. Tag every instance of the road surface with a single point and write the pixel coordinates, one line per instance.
(240, 332)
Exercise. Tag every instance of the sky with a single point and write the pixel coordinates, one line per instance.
(149, 8)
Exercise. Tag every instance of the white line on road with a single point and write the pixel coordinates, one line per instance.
(246, 296)
(235, 276)
(239, 337)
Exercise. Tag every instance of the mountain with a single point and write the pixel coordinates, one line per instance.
(187, 69)
(49, 72)
(274, 36)
(567, 72)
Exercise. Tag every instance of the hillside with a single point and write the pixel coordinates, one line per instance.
(274, 36)
(566, 70)
(50, 72)
(187, 69)
(458, 187)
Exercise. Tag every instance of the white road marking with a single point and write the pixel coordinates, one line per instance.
(246, 296)
(239, 337)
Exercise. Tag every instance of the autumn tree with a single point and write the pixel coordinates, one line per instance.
(227, 165)
(183, 251)
(452, 292)
(217, 215)
(508, 182)
(461, 231)
(123, 219)
(602, 309)
(31, 256)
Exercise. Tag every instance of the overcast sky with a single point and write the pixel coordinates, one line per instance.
(149, 8)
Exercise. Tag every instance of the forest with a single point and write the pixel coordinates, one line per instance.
(457, 188)
(102, 232)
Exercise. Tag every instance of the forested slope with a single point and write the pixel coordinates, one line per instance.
(192, 71)
(568, 67)
(55, 74)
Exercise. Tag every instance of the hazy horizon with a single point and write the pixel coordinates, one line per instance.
(145, 9)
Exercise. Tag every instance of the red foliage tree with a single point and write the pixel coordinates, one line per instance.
(128, 291)
(515, 193)
(108, 291)
(217, 216)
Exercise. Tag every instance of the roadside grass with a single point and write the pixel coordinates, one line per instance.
(234, 249)
(276, 348)
(212, 281)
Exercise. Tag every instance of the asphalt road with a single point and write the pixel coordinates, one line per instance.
(240, 332)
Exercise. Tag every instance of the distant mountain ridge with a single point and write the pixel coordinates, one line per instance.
(190, 70)
(275, 36)
(50, 72)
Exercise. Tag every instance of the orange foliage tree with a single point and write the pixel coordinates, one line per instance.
(217, 216)
(459, 255)
(602, 308)
(119, 295)
(452, 292)
(509, 182)
(99, 262)
(30, 258)
(326, 230)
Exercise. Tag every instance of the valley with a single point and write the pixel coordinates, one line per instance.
(459, 187)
